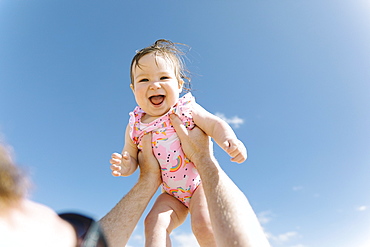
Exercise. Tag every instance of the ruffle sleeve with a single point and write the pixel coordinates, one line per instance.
(184, 108)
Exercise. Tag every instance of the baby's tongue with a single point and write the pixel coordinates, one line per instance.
(156, 100)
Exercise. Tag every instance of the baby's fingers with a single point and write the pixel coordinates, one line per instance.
(242, 154)
(231, 147)
(240, 158)
(116, 174)
(116, 159)
(116, 170)
(237, 151)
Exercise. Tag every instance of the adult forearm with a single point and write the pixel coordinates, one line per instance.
(233, 219)
(120, 222)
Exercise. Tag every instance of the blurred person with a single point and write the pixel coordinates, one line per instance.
(22, 221)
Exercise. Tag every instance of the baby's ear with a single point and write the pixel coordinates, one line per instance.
(181, 84)
(132, 87)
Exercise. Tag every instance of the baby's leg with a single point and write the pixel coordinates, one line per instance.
(167, 214)
(200, 220)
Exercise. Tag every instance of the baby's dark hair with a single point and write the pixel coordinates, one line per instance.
(171, 52)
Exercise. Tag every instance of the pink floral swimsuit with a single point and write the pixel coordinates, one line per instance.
(179, 175)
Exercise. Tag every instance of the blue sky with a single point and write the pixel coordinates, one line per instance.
(293, 74)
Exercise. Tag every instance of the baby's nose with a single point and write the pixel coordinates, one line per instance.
(155, 85)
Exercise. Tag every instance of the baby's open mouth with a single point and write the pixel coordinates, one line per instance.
(157, 99)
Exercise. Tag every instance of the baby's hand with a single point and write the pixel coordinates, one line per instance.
(120, 164)
(236, 150)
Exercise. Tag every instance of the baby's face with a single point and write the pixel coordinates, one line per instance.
(155, 85)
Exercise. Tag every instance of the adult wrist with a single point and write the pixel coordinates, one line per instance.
(150, 179)
(206, 163)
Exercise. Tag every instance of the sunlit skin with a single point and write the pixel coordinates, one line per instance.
(232, 217)
(155, 86)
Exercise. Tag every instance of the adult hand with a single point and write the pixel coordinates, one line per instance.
(149, 165)
(195, 143)
(119, 223)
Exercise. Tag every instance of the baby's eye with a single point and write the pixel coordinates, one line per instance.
(143, 80)
(165, 78)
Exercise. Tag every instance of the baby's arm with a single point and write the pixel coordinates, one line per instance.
(221, 132)
(125, 164)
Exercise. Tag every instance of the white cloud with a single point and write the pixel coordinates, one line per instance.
(137, 238)
(362, 208)
(234, 121)
(283, 238)
(264, 217)
(286, 236)
(184, 240)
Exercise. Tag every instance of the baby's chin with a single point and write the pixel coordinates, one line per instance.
(151, 116)
(161, 113)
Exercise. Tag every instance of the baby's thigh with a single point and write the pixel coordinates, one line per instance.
(168, 212)
(199, 208)
(200, 219)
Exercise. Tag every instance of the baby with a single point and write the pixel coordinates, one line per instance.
(157, 79)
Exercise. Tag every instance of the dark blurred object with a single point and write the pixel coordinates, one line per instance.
(88, 231)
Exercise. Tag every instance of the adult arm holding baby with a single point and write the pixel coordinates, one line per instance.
(119, 223)
(233, 219)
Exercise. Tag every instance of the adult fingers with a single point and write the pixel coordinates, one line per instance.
(180, 128)
(147, 142)
(147, 161)
(146, 153)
